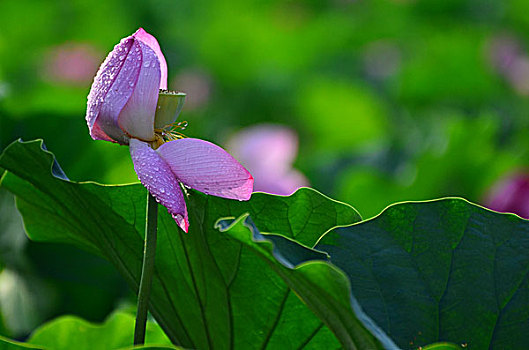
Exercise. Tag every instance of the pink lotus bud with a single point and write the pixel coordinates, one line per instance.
(123, 98)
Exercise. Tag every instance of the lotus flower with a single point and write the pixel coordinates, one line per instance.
(128, 104)
(269, 151)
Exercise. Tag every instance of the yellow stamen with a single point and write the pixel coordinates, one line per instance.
(168, 133)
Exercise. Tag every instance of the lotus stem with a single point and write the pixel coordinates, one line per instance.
(147, 271)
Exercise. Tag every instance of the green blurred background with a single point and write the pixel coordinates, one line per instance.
(392, 100)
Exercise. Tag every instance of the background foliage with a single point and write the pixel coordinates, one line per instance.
(398, 99)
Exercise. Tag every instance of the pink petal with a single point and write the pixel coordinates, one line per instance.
(207, 168)
(137, 116)
(265, 147)
(101, 116)
(155, 174)
(151, 41)
(268, 151)
(279, 183)
(122, 100)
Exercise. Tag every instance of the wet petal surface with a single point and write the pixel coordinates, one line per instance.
(151, 41)
(137, 116)
(156, 175)
(104, 100)
(207, 168)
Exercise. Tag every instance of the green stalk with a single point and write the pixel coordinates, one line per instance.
(147, 271)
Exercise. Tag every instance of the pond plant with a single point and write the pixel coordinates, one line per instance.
(223, 268)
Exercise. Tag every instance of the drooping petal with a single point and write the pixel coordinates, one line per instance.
(207, 168)
(156, 175)
(151, 41)
(137, 116)
(103, 106)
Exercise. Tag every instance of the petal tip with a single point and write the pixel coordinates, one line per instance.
(245, 190)
(181, 221)
(140, 33)
(248, 186)
(151, 41)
